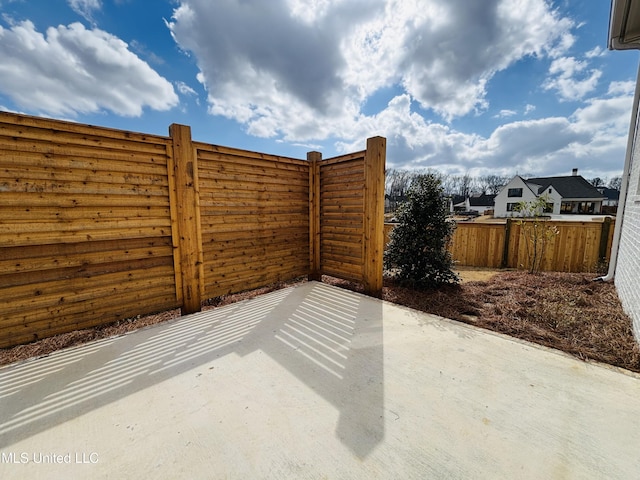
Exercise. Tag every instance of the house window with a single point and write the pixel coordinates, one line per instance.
(511, 207)
(566, 207)
(548, 208)
(586, 207)
(514, 192)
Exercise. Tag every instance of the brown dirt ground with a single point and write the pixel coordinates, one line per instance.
(565, 311)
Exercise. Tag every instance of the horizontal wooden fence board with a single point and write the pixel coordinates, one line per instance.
(44, 124)
(119, 297)
(13, 238)
(342, 159)
(48, 214)
(80, 200)
(39, 264)
(109, 162)
(60, 137)
(73, 290)
(73, 282)
(216, 239)
(87, 314)
(86, 177)
(225, 286)
(229, 154)
(236, 276)
(229, 211)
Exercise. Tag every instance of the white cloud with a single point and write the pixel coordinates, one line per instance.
(621, 88)
(505, 113)
(185, 89)
(571, 79)
(308, 77)
(594, 135)
(73, 70)
(595, 52)
(85, 8)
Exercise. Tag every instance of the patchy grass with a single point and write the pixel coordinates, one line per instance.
(565, 311)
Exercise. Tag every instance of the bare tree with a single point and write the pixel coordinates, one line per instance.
(597, 182)
(491, 184)
(462, 185)
(397, 183)
(615, 183)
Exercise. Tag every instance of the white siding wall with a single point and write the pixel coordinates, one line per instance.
(502, 198)
(555, 198)
(627, 277)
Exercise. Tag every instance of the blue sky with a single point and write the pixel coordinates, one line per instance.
(478, 87)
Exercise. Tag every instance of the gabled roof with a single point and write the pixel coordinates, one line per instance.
(482, 200)
(574, 186)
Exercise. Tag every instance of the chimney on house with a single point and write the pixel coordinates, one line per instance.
(574, 172)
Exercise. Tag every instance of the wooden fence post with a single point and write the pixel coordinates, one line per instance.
(604, 240)
(187, 208)
(505, 250)
(314, 215)
(373, 235)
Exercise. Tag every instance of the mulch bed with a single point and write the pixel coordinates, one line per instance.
(565, 311)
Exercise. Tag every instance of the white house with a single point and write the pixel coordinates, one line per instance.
(566, 195)
(480, 203)
(624, 267)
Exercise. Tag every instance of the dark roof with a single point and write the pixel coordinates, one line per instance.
(610, 193)
(482, 200)
(456, 199)
(573, 186)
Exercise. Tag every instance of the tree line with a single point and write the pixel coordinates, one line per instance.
(398, 182)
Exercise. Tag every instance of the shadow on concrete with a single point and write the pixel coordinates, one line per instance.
(330, 339)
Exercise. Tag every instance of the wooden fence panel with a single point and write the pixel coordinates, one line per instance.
(342, 216)
(478, 244)
(575, 248)
(98, 225)
(255, 218)
(85, 227)
(578, 246)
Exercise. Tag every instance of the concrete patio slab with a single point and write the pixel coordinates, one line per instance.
(316, 382)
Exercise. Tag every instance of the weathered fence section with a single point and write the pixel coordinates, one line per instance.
(98, 225)
(577, 247)
(85, 227)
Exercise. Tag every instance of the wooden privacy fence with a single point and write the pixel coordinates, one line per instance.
(577, 247)
(99, 225)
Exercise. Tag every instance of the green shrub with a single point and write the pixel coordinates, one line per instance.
(417, 253)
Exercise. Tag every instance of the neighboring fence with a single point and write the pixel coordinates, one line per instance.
(578, 246)
(98, 225)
